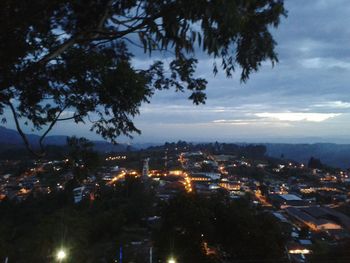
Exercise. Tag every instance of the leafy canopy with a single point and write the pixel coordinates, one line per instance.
(71, 59)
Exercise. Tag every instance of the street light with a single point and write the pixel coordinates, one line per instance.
(61, 255)
(171, 260)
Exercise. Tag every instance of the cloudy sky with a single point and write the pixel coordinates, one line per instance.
(303, 98)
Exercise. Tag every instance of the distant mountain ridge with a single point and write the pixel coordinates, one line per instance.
(336, 155)
(10, 139)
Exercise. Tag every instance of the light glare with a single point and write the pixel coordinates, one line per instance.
(61, 255)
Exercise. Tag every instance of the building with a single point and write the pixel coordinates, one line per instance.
(145, 169)
(78, 194)
(205, 176)
(287, 200)
(199, 177)
(313, 217)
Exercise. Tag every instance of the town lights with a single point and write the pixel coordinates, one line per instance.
(299, 251)
(61, 255)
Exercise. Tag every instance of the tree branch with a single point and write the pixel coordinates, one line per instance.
(50, 128)
(29, 147)
(70, 118)
(96, 34)
(119, 34)
(70, 42)
(21, 133)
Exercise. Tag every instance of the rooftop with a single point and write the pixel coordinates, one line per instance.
(290, 197)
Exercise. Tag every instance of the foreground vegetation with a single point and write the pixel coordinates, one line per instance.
(95, 231)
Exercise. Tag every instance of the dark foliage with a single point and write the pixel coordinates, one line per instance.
(33, 231)
(234, 230)
(70, 60)
(326, 253)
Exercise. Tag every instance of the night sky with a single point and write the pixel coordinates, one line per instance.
(304, 98)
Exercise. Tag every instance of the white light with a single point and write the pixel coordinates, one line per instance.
(61, 255)
(171, 260)
(299, 251)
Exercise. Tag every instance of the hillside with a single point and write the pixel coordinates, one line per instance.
(336, 155)
(11, 141)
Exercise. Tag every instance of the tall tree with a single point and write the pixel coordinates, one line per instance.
(82, 157)
(70, 59)
(315, 163)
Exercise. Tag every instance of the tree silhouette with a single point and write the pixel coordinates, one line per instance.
(237, 232)
(71, 60)
(81, 157)
(315, 163)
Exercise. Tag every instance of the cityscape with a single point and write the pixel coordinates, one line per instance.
(174, 131)
(308, 201)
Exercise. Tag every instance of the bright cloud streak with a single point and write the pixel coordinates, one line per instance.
(334, 104)
(297, 116)
(326, 63)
